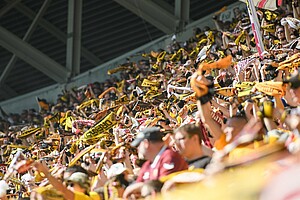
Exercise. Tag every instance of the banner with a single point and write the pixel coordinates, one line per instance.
(103, 126)
(271, 88)
(228, 14)
(118, 69)
(28, 132)
(255, 26)
(269, 28)
(141, 106)
(78, 123)
(243, 64)
(43, 105)
(266, 4)
(177, 88)
(148, 83)
(122, 100)
(80, 154)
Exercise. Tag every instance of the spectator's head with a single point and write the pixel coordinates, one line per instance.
(271, 72)
(79, 182)
(149, 142)
(280, 32)
(75, 168)
(196, 31)
(188, 138)
(237, 13)
(116, 170)
(294, 83)
(233, 127)
(206, 28)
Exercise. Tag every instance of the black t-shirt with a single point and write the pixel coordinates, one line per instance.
(201, 162)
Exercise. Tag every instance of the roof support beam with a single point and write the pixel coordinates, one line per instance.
(26, 37)
(9, 6)
(74, 36)
(8, 92)
(33, 56)
(164, 5)
(182, 12)
(58, 33)
(152, 13)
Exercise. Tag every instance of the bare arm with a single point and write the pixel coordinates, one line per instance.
(289, 98)
(206, 118)
(54, 182)
(278, 103)
(224, 110)
(295, 9)
(132, 189)
(287, 33)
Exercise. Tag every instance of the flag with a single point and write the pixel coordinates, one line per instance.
(140, 106)
(120, 86)
(148, 83)
(101, 127)
(255, 25)
(43, 105)
(88, 93)
(269, 28)
(80, 154)
(28, 132)
(266, 4)
(55, 117)
(20, 163)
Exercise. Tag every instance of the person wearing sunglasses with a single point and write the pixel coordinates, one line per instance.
(76, 186)
(280, 33)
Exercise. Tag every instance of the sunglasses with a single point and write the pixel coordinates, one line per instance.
(280, 31)
(70, 184)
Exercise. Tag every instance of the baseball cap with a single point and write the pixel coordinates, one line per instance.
(151, 134)
(294, 80)
(116, 169)
(80, 178)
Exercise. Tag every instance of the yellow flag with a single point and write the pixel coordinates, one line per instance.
(120, 86)
(148, 83)
(68, 124)
(103, 126)
(28, 132)
(269, 28)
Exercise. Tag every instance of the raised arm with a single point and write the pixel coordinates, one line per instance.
(41, 168)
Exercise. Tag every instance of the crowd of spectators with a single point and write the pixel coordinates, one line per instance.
(196, 113)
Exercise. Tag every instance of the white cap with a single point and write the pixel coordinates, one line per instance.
(115, 170)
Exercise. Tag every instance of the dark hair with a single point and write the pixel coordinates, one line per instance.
(271, 72)
(241, 112)
(206, 28)
(197, 31)
(121, 179)
(181, 103)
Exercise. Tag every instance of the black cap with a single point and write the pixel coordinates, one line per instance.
(294, 81)
(151, 134)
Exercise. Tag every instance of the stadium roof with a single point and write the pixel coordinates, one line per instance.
(50, 41)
